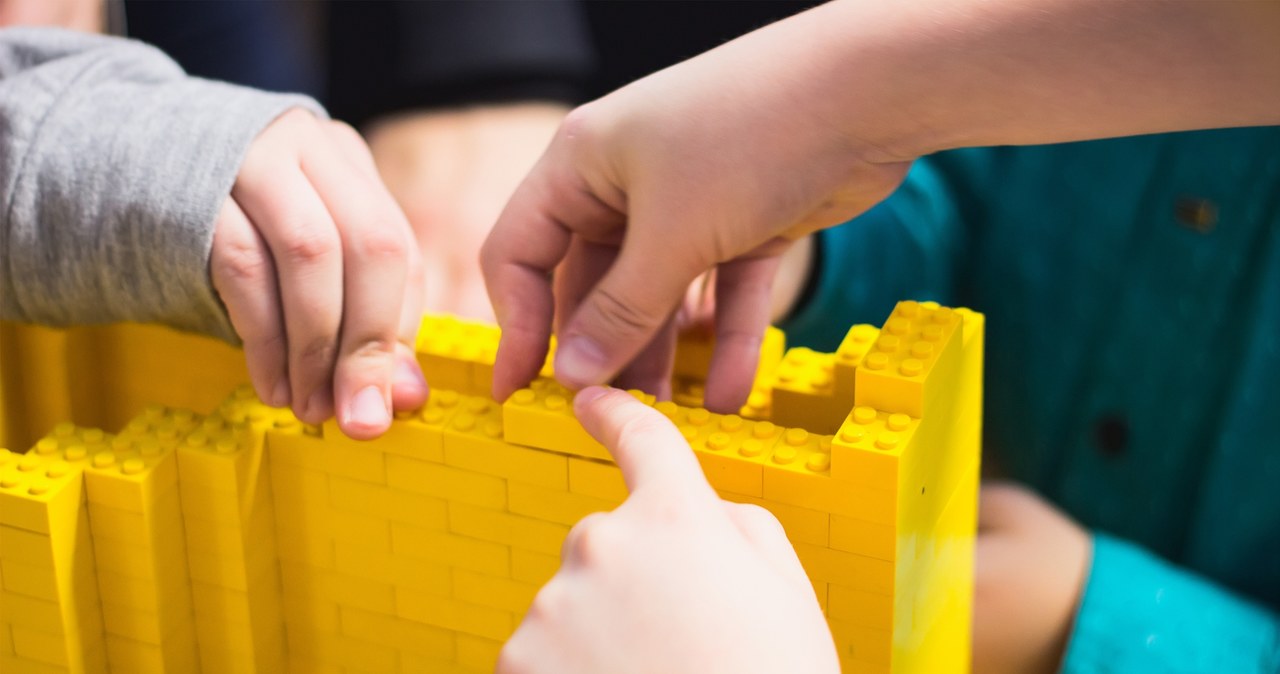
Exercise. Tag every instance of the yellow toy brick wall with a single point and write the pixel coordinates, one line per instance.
(244, 541)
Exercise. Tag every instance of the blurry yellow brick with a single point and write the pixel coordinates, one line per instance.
(16, 665)
(232, 573)
(6, 640)
(41, 615)
(452, 484)
(303, 545)
(219, 456)
(391, 631)
(133, 475)
(453, 614)
(157, 525)
(481, 654)
(224, 637)
(350, 655)
(30, 580)
(391, 504)
(553, 505)
(864, 644)
(178, 655)
(694, 349)
(473, 441)
(597, 479)
(915, 358)
(848, 569)
(804, 392)
(306, 605)
(50, 649)
(449, 350)
(236, 607)
(502, 527)
(147, 626)
(397, 570)
(349, 590)
(260, 660)
(802, 525)
(24, 546)
(541, 416)
(371, 533)
(228, 541)
(533, 567)
(444, 548)
(849, 356)
(35, 496)
(864, 538)
(302, 502)
(486, 590)
(412, 663)
(860, 607)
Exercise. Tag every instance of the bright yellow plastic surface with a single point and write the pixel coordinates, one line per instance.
(237, 539)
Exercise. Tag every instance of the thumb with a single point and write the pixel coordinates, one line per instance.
(645, 444)
(621, 314)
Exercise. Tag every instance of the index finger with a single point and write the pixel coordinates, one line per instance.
(645, 444)
(529, 240)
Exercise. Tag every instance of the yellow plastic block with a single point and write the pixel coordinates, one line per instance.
(450, 549)
(433, 479)
(532, 567)
(553, 505)
(453, 614)
(393, 505)
(847, 569)
(35, 496)
(805, 392)
(862, 644)
(417, 434)
(732, 450)
(473, 442)
(393, 632)
(597, 479)
(802, 525)
(860, 607)
(868, 450)
(496, 526)
(480, 654)
(491, 591)
(915, 358)
(394, 569)
(541, 416)
(457, 355)
(870, 539)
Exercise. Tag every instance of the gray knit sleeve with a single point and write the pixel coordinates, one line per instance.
(113, 167)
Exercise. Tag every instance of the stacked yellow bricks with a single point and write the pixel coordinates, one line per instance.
(244, 541)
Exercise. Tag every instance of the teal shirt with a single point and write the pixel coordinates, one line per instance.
(1132, 293)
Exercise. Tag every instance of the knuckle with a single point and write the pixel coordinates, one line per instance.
(593, 540)
(308, 245)
(240, 261)
(757, 518)
(619, 318)
(383, 243)
(373, 348)
(318, 353)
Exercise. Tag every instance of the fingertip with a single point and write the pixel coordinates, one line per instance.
(580, 362)
(409, 388)
(366, 415)
(587, 397)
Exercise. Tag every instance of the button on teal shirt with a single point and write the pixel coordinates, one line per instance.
(1132, 293)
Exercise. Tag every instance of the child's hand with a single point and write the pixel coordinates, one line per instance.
(674, 580)
(1031, 566)
(645, 189)
(321, 278)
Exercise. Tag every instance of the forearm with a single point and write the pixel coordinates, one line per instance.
(901, 80)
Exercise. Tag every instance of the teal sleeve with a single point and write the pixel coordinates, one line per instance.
(1140, 613)
(908, 247)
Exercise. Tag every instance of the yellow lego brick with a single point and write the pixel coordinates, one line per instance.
(473, 442)
(759, 405)
(417, 434)
(353, 655)
(597, 479)
(480, 654)
(160, 525)
(688, 392)
(390, 631)
(131, 477)
(259, 660)
(306, 605)
(24, 546)
(362, 498)
(177, 655)
(532, 567)
(848, 357)
(37, 614)
(450, 549)
(232, 573)
(50, 649)
(486, 590)
(508, 529)
(340, 588)
(863, 644)
(6, 639)
(731, 450)
(452, 484)
(553, 505)
(802, 525)
(38, 497)
(395, 569)
(915, 358)
(356, 461)
(457, 354)
(260, 610)
(798, 473)
(370, 533)
(868, 450)
(805, 395)
(860, 607)
(847, 569)
(231, 542)
(17, 665)
(541, 417)
(869, 539)
(453, 614)
(694, 349)
(147, 626)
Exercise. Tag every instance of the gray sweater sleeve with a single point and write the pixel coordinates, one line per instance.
(113, 167)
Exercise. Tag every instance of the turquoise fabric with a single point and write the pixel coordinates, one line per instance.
(1132, 293)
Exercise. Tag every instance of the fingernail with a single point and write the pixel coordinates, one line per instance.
(280, 395)
(368, 408)
(408, 374)
(580, 361)
(589, 395)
